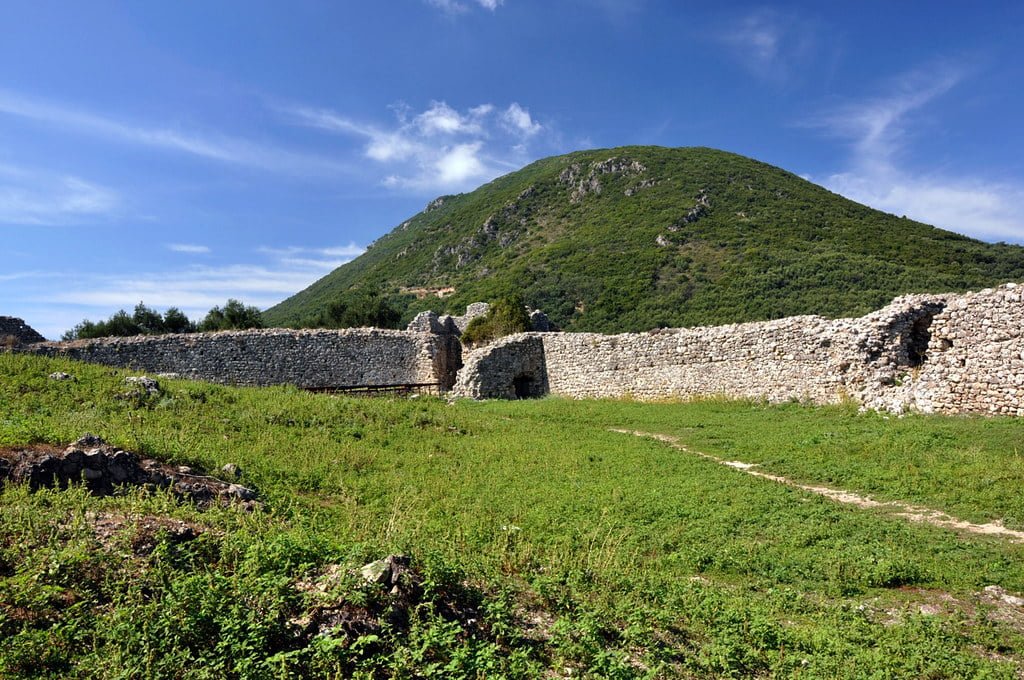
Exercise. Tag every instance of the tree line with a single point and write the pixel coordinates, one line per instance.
(234, 315)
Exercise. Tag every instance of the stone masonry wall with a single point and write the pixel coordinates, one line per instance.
(933, 353)
(17, 332)
(305, 358)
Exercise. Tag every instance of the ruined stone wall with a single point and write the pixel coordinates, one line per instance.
(933, 353)
(975, 358)
(14, 331)
(305, 358)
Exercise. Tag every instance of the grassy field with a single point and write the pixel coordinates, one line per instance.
(543, 544)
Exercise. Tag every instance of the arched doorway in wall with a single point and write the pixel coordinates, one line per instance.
(525, 386)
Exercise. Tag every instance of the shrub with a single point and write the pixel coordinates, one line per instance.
(506, 316)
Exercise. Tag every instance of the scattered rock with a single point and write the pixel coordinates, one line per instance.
(104, 470)
(1000, 594)
(232, 471)
(148, 384)
(61, 376)
(392, 572)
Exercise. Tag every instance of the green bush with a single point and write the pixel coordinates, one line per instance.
(506, 316)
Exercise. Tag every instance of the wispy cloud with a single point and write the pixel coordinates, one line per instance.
(220, 148)
(188, 248)
(457, 7)
(771, 44)
(881, 131)
(438, 149)
(272, 275)
(315, 259)
(34, 198)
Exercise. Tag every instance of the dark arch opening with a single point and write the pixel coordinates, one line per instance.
(917, 340)
(523, 385)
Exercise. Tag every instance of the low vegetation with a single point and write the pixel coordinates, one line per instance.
(147, 321)
(539, 542)
(356, 309)
(504, 317)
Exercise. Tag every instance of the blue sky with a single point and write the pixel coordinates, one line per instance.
(182, 153)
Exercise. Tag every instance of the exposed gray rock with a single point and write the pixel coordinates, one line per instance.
(104, 469)
(61, 376)
(143, 382)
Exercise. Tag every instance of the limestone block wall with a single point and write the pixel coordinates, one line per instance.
(975, 357)
(305, 358)
(511, 368)
(14, 331)
(933, 353)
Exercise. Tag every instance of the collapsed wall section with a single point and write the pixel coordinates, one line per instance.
(974, 361)
(15, 332)
(311, 359)
(511, 368)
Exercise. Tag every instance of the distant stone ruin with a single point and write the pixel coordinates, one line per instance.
(929, 353)
(947, 353)
(15, 332)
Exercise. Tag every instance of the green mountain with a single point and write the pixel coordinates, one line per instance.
(635, 238)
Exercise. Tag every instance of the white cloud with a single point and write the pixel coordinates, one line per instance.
(771, 44)
(188, 248)
(218, 148)
(879, 131)
(443, 119)
(63, 299)
(461, 163)
(350, 251)
(440, 148)
(965, 205)
(518, 119)
(31, 198)
(456, 7)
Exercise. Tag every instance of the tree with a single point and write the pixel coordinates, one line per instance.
(148, 320)
(357, 309)
(233, 316)
(143, 321)
(175, 321)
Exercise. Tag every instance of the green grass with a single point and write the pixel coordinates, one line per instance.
(631, 558)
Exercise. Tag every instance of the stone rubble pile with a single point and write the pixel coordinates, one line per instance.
(103, 469)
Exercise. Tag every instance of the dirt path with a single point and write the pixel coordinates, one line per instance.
(913, 513)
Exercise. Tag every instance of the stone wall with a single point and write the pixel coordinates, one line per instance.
(933, 353)
(313, 359)
(14, 331)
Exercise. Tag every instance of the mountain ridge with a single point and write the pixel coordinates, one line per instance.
(633, 238)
